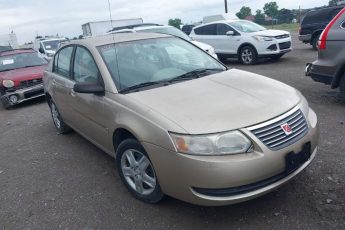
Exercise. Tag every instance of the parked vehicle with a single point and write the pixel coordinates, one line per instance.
(47, 46)
(21, 74)
(155, 28)
(243, 39)
(187, 29)
(330, 66)
(101, 27)
(177, 121)
(315, 22)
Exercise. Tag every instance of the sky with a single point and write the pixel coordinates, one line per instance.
(65, 17)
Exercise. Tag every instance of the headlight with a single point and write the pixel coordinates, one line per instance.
(8, 83)
(215, 144)
(263, 38)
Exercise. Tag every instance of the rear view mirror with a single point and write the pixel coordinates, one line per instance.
(88, 88)
(230, 33)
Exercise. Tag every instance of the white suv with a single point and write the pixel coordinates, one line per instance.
(155, 28)
(243, 39)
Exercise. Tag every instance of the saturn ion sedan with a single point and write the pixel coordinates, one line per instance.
(177, 121)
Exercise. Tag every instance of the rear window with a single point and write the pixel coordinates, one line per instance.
(206, 30)
(343, 25)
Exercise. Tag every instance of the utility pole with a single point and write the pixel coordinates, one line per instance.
(226, 6)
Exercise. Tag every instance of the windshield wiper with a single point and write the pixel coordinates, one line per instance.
(142, 85)
(195, 74)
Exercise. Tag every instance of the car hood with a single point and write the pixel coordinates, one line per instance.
(23, 74)
(270, 33)
(221, 102)
(201, 45)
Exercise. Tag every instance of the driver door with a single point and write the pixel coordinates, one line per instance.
(227, 44)
(88, 109)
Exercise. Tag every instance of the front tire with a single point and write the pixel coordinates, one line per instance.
(137, 173)
(248, 55)
(59, 124)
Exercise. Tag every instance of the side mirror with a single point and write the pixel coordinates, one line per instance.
(41, 50)
(230, 33)
(88, 88)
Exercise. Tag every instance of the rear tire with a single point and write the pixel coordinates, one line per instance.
(137, 173)
(248, 55)
(315, 42)
(59, 124)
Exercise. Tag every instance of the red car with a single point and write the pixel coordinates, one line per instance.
(21, 73)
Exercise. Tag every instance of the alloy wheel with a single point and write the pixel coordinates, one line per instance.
(55, 115)
(138, 172)
(247, 56)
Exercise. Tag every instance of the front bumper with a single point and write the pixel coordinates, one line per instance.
(274, 48)
(180, 174)
(23, 94)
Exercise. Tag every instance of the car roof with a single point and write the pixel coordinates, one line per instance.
(17, 51)
(133, 26)
(221, 21)
(114, 38)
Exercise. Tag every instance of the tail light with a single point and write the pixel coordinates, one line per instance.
(324, 35)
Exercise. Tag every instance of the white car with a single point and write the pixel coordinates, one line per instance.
(243, 39)
(155, 28)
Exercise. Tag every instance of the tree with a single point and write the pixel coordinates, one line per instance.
(285, 16)
(259, 17)
(271, 9)
(244, 12)
(175, 22)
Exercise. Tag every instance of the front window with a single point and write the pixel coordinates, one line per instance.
(247, 26)
(52, 45)
(168, 30)
(22, 60)
(153, 61)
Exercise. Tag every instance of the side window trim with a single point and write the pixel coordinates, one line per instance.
(99, 77)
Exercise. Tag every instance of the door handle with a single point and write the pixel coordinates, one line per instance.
(72, 92)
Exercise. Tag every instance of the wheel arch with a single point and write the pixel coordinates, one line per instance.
(246, 44)
(314, 34)
(120, 134)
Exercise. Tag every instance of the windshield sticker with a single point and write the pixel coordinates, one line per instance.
(8, 62)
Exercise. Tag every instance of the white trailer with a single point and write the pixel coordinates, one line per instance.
(102, 27)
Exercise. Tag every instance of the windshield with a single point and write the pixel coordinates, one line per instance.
(22, 60)
(154, 60)
(52, 45)
(247, 26)
(168, 30)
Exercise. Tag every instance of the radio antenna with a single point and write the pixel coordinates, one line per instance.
(116, 65)
(110, 15)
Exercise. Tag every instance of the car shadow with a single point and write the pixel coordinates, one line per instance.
(38, 100)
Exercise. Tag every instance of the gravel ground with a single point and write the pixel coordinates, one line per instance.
(51, 181)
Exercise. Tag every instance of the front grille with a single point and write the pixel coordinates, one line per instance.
(30, 83)
(285, 45)
(273, 135)
(282, 36)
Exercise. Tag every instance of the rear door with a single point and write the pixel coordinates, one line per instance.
(63, 82)
(88, 109)
(206, 34)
